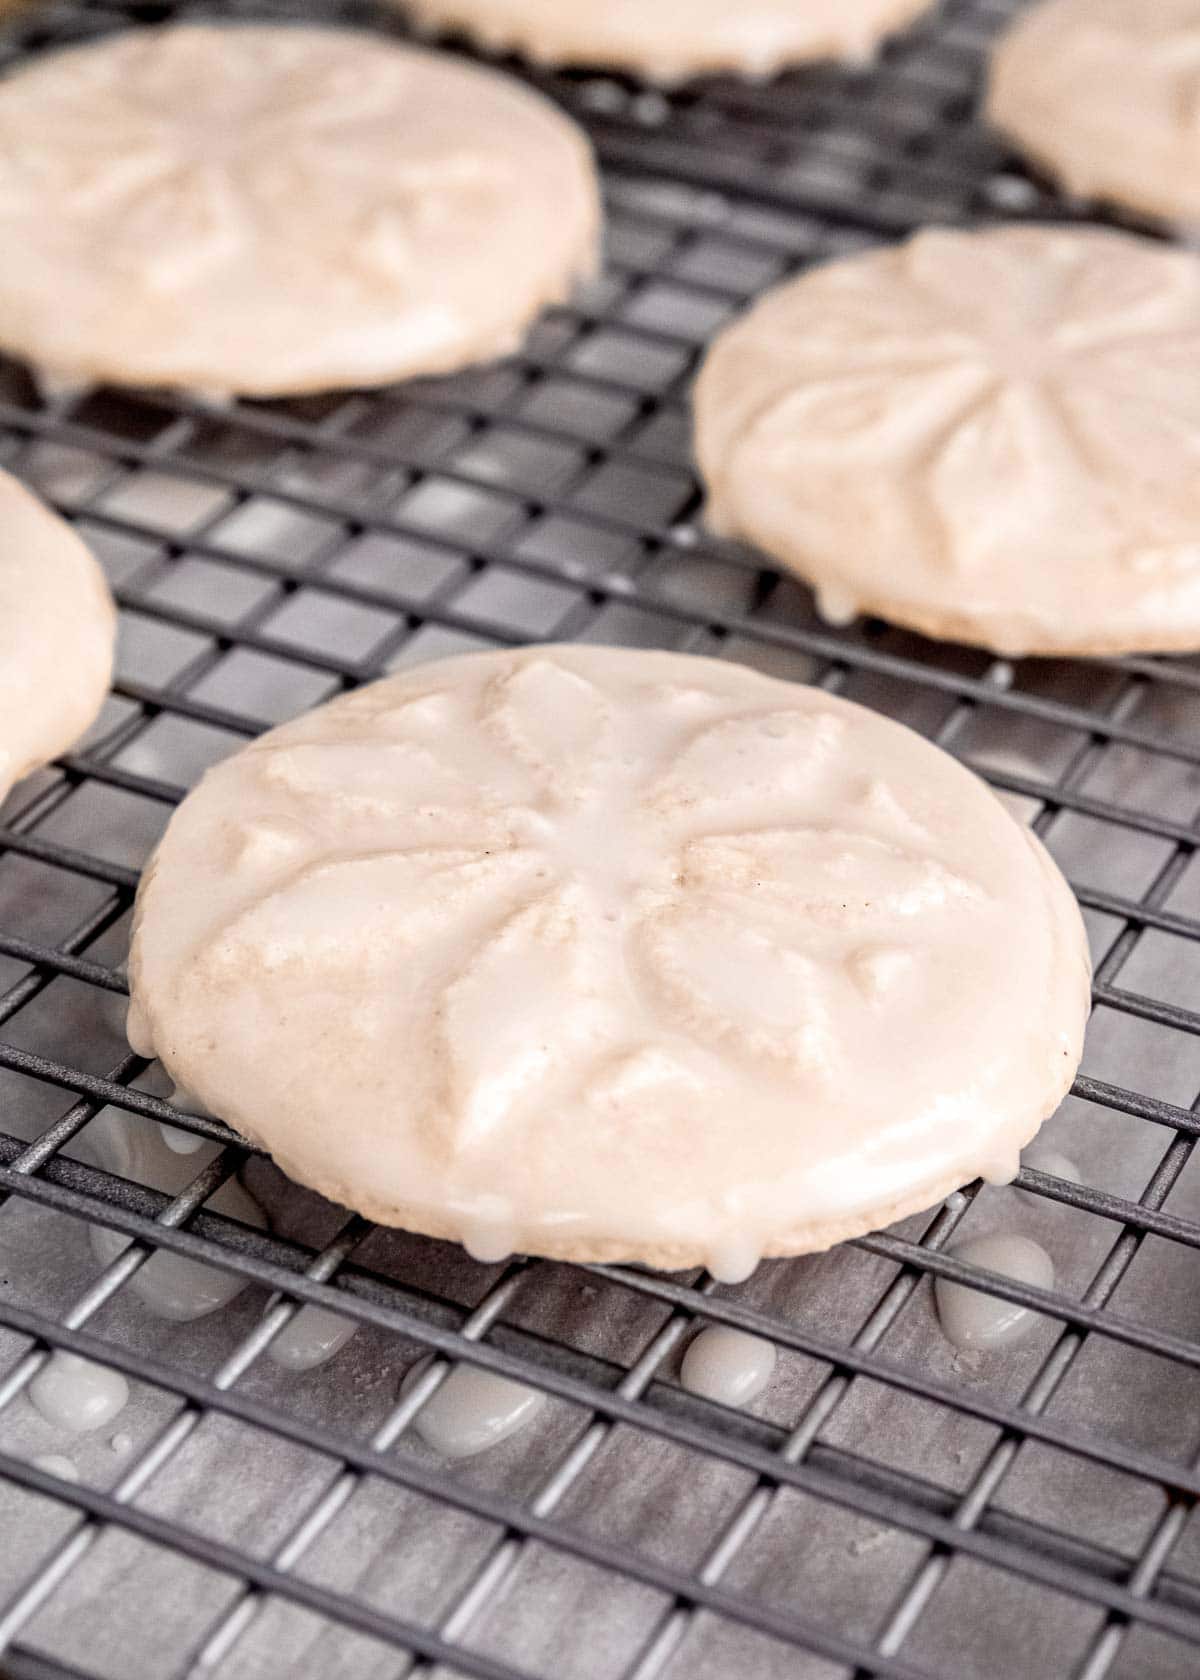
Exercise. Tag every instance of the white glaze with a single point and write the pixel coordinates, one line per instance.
(471, 1410)
(1101, 93)
(667, 41)
(54, 1464)
(183, 1143)
(727, 1365)
(280, 209)
(974, 1320)
(836, 606)
(603, 934)
(171, 1285)
(310, 1338)
(57, 631)
(988, 436)
(77, 1394)
(122, 1441)
(1044, 1158)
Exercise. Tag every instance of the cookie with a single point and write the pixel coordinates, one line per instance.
(57, 631)
(990, 437)
(672, 39)
(604, 954)
(1102, 95)
(268, 210)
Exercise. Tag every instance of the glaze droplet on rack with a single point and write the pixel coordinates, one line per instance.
(727, 1365)
(54, 1464)
(972, 1319)
(310, 1338)
(1044, 1158)
(77, 1394)
(471, 1410)
(171, 1285)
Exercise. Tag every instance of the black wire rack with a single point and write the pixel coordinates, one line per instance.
(889, 1510)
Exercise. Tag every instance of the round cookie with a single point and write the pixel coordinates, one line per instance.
(268, 210)
(57, 630)
(1102, 95)
(990, 437)
(668, 40)
(604, 954)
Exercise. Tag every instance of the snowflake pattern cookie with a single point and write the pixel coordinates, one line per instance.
(669, 40)
(990, 437)
(57, 630)
(1105, 96)
(273, 209)
(607, 954)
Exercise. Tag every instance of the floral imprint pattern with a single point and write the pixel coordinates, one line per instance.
(558, 910)
(250, 173)
(989, 436)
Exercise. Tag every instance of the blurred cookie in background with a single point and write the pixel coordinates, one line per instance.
(1104, 95)
(671, 40)
(269, 210)
(57, 630)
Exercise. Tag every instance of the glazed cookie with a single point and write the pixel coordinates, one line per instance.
(672, 39)
(1104, 96)
(57, 629)
(990, 437)
(275, 209)
(605, 954)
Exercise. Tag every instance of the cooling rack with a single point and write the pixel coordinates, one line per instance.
(890, 1509)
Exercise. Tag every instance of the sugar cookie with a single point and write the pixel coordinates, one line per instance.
(57, 629)
(668, 40)
(607, 954)
(990, 437)
(275, 209)
(1105, 96)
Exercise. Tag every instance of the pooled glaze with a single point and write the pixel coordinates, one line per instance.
(972, 1319)
(1042, 1157)
(274, 209)
(727, 1365)
(1102, 94)
(171, 1285)
(77, 1394)
(471, 1410)
(989, 436)
(576, 950)
(57, 632)
(175, 1138)
(310, 1338)
(54, 1464)
(670, 39)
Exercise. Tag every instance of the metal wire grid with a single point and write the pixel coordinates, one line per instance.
(268, 555)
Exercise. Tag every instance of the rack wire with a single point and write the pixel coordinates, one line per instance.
(889, 1510)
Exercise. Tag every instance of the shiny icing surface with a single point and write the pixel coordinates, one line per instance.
(727, 1365)
(671, 39)
(604, 953)
(1043, 1158)
(277, 209)
(987, 436)
(57, 631)
(471, 1410)
(974, 1320)
(77, 1394)
(171, 1285)
(310, 1338)
(1103, 95)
